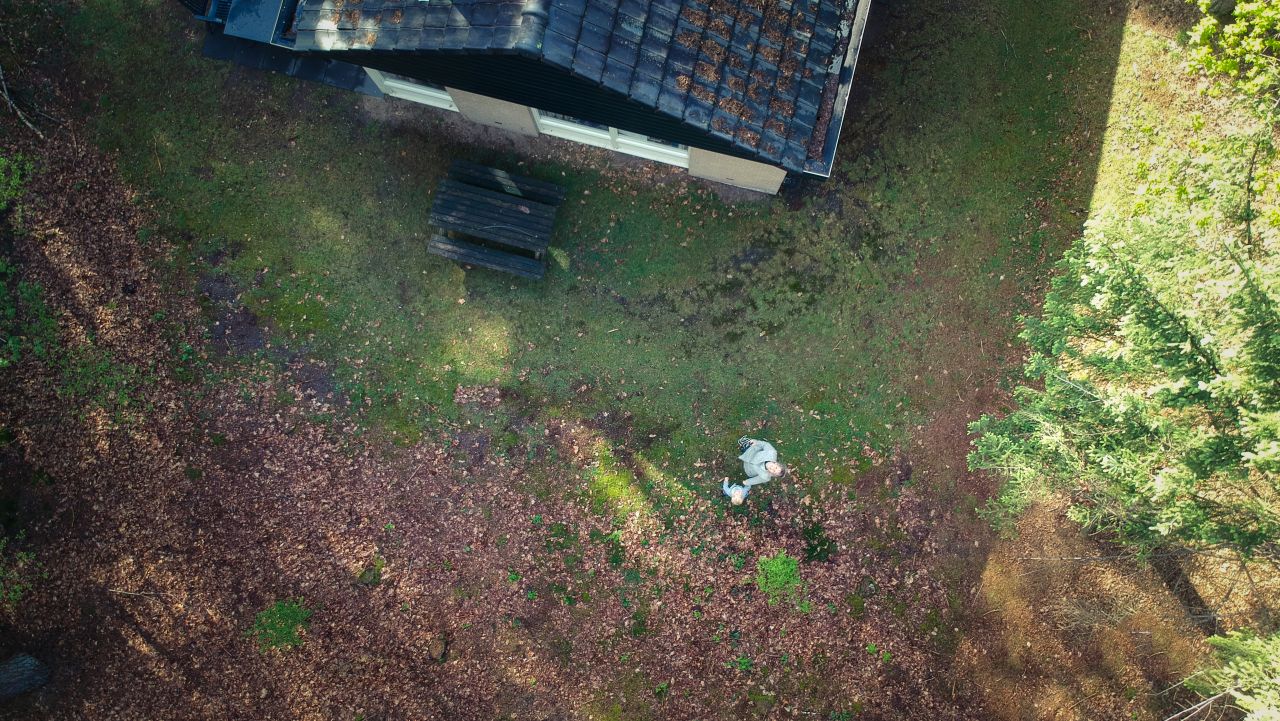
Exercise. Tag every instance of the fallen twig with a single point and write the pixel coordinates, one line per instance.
(152, 594)
(4, 89)
(1086, 698)
(1191, 711)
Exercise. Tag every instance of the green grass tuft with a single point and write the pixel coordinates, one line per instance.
(778, 577)
(279, 626)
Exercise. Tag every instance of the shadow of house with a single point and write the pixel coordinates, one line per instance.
(747, 93)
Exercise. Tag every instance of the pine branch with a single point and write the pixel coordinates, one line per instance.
(1184, 326)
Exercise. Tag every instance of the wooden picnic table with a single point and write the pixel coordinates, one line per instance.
(494, 219)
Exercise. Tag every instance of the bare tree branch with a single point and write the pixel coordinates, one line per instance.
(4, 90)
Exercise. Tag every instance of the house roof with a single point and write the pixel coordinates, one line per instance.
(768, 76)
(413, 25)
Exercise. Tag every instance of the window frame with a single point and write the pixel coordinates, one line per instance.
(398, 86)
(621, 141)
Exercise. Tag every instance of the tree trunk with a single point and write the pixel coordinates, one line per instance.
(20, 674)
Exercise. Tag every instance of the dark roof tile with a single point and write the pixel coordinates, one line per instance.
(558, 50)
(828, 15)
(806, 114)
(409, 38)
(509, 14)
(562, 22)
(455, 38)
(795, 153)
(624, 51)
(637, 9)
(764, 72)
(574, 7)
(617, 76)
(413, 15)
(589, 64)
(433, 37)
(818, 59)
(677, 79)
(651, 61)
(662, 20)
(436, 16)
(599, 16)
(824, 38)
(479, 38)
(772, 144)
(723, 124)
(484, 14)
(681, 57)
(593, 38)
(657, 39)
(671, 101)
(644, 90)
(697, 113)
(505, 37)
(629, 28)
(810, 93)
(751, 73)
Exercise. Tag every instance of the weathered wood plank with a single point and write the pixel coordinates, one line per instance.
(454, 203)
(531, 207)
(500, 180)
(473, 254)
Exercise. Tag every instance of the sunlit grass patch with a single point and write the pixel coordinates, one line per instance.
(479, 351)
(613, 487)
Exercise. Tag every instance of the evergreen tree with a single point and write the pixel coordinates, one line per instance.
(1247, 672)
(1155, 400)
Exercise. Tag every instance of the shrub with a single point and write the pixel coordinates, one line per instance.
(13, 175)
(279, 625)
(372, 574)
(1242, 46)
(27, 326)
(16, 569)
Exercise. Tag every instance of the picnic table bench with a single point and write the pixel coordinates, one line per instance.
(491, 218)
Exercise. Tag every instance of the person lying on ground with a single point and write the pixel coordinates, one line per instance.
(759, 463)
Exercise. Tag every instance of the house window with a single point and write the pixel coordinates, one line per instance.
(419, 91)
(572, 120)
(603, 136)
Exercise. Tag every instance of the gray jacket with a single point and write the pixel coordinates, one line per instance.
(753, 460)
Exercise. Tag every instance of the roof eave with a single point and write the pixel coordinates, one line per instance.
(533, 26)
(822, 168)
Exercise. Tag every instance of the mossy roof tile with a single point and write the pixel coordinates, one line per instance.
(753, 73)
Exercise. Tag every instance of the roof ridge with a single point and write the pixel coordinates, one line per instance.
(533, 26)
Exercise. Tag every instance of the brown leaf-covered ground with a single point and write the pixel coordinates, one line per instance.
(167, 523)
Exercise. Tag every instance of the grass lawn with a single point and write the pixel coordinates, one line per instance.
(826, 328)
